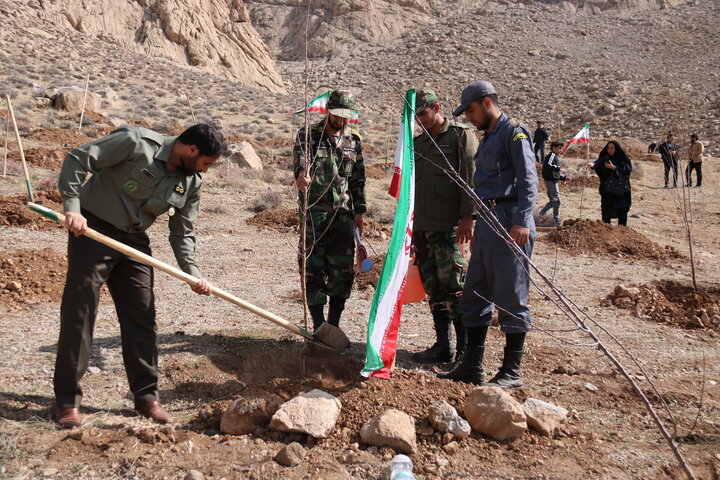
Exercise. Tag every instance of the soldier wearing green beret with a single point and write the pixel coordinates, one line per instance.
(443, 220)
(334, 182)
(137, 175)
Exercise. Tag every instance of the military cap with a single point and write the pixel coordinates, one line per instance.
(423, 96)
(342, 104)
(475, 91)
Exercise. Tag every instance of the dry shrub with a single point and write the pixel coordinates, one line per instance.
(267, 200)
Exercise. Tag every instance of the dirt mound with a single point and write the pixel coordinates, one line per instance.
(377, 171)
(286, 219)
(280, 219)
(579, 183)
(42, 157)
(594, 236)
(31, 276)
(365, 280)
(14, 212)
(58, 136)
(669, 302)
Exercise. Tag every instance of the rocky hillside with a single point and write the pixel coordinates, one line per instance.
(215, 35)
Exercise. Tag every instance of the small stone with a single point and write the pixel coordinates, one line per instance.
(14, 286)
(290, 455)
(447, 438)
(194, 475)
(589, 386)
(451, 448)
(50, 472)
(93, 370)
(75, 434)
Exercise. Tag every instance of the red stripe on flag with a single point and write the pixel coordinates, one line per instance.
(390, 339)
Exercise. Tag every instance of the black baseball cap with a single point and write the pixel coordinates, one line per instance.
(475, 91)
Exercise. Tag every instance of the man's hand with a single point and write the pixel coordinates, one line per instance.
(76, 223)
(303, 181)
(520, 234)
(202, 287)
(359, 222)
(465, 229)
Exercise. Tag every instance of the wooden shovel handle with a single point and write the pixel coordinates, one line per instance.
(175, 272)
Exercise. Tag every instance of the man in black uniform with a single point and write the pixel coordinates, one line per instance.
(540, 137)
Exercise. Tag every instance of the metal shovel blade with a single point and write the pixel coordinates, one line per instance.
(328, 339)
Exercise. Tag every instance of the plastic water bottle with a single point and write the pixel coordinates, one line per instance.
(401, 468)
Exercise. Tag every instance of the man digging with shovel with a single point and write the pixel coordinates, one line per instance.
(137, 175)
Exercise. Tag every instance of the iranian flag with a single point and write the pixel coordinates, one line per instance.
(319, 105)
(387, 303)
(583, 136)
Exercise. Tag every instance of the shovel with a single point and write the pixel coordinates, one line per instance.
(327, 336)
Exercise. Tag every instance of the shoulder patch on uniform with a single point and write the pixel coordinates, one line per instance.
(459, 125)
(355, 134)
(519, 136)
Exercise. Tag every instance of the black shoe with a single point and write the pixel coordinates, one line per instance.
(441, 350)
(509, 374)
(337, 305)
(317, 314)
(460, 339)
(470, 369)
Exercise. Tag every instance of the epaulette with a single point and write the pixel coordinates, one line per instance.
(356, 134)
(147, 134)
(459, 125)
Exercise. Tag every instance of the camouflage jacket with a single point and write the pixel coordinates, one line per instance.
(336, 167)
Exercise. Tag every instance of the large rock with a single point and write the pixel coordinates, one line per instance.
(245, 415)
(543, 417)
(394, 429)
(495, 413)
(244, 155)
(313, 413)
(215, 35)
(444, 418)
(71, 99)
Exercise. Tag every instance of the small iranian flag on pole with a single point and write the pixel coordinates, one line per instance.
(319, 105)
(583, 136)
(386, 307)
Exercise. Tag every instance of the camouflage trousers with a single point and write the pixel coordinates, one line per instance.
(330, 243)
(442, 269)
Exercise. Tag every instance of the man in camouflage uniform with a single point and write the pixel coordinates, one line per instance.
(334, 181)
(443, 219)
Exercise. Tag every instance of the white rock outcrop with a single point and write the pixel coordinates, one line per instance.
(215, 35)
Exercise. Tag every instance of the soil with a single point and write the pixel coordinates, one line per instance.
(670, 302)
(42, 157)
(377, 171)
(283, 220)
(31, 276)
(596, 237)
(59, 137)
(14, 212)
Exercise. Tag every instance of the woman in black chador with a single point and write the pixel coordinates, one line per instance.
(613, 166)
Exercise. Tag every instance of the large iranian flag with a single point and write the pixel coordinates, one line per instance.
(387, 303)
(583, 136)
(319, 105)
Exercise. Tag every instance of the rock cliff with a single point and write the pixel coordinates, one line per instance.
(215, 35)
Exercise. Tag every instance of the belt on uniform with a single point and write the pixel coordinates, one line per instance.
(491, 202)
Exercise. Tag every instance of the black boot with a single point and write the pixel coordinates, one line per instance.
(440, 351)
(470, 368)
(337, 305)
(460, 339)
(317, 314)
(509, 374)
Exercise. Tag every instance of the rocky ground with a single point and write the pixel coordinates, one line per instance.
(638, 72)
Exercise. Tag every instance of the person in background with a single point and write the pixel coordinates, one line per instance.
(613, 167)
(540, 137)
(552, 174)
(696, 158)
(668, 152)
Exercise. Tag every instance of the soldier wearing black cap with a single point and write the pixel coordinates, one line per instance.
(443, 219)
(506, 181)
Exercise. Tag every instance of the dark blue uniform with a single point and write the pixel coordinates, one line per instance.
(506, 177)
